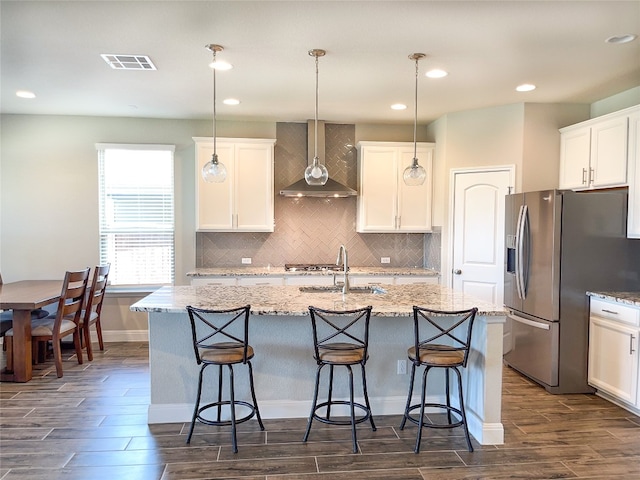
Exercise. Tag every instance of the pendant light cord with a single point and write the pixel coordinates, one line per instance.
(315, 151)
(415, 119)
(214, 106)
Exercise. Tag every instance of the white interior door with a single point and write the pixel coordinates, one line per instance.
(478, 232)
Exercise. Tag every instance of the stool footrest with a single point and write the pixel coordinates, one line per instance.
(416, 421)
(347, 421)
(201, 419)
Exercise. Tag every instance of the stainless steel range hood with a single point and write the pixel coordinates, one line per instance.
(330, 189)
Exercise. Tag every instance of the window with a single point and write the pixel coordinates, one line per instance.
(136, 213)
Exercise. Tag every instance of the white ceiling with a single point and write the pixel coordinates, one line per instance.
(53, 49)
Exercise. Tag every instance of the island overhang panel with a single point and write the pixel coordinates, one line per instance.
(280, 332)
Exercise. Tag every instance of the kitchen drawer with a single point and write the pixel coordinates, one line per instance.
(615, 311)
(197, 281)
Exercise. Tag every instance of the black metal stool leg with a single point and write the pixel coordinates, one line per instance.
(406, 409)
(422, 402)
(352, 410)
(366, 398)
(330, 396)
(253, 396)
(195, 409)
(313, 405)
(219, 393)
(448, 392)
(232, 404)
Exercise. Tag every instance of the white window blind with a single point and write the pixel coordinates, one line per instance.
(137, 213)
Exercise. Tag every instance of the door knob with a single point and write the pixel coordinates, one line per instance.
(457, 271)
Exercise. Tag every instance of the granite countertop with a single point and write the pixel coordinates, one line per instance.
(280, 271)
(626, 298)
(397, 300)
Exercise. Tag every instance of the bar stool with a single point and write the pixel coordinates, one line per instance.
(447, 348)
(340, 338)
(208, 327)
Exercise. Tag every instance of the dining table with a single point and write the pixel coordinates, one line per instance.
(22, 297)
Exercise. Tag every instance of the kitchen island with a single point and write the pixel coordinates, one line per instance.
(280, 332)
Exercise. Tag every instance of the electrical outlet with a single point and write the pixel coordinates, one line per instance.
(385, 259)
(402, 367)
(246, 260)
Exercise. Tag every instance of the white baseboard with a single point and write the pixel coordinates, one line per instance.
(121, 335)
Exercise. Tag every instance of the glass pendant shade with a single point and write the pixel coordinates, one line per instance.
(414, 174)
(316, 173)
(213, 171)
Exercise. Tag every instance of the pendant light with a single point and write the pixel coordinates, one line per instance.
(316, 173)
(415, 174)
(213, 171)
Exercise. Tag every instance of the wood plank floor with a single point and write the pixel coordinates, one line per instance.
(91, 424)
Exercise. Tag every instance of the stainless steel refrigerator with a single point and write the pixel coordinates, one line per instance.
(559, 245)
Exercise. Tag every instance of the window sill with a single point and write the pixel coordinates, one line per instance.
(131, 290)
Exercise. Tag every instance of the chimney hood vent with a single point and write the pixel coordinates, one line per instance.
(330, 189)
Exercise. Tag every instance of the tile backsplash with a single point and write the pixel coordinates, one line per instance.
(311, 230)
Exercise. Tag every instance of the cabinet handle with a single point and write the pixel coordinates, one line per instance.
(631, 350)
(609, 311)
(592, 175)
(584, 176)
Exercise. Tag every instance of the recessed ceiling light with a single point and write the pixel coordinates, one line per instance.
(626, 38)
(525, 87)
(231, 101)
(436, 73)
(398, 106)
(25, 94)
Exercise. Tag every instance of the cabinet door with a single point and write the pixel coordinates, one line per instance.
(414, 203)
(575, 150)
(613, 358)
(633, 224)
(377, 196)
(260, 280)
(196, 281)
(214, 201)
(609, 153)
(253, 188)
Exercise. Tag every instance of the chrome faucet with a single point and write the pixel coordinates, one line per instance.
(342, 256)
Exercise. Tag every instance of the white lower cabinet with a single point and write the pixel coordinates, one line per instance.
(417, 279)
(613, 351)
(260, 280)
(310, 280)
(633, 223)
(196, 281)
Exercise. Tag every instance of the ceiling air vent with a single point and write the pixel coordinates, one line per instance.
(129, 62)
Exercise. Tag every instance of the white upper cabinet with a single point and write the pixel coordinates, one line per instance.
(594, 153)
(385, 203)
(244, 201)
(633, 224)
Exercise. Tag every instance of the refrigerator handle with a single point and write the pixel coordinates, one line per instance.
(531, 323)
(520, 238)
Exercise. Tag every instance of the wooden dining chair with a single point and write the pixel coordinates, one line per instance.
(93, 308)
(65, 322)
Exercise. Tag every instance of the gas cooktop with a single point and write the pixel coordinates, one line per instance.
(311, 267)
